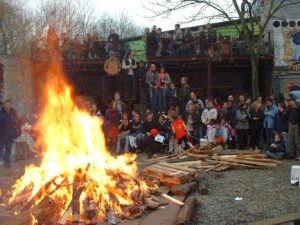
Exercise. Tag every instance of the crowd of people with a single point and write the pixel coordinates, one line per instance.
(92, 46)
(204, 41)
(271, 124)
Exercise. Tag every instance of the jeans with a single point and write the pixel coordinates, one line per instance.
(172, 46)
(285, 137)
(198, 132)
(254, 140)
(6, 142)
(119, 142)
(162, 100)
(130, 86)
(242, 138)
(293, 140)
(275, 155)
(152, 98)
(269, 135)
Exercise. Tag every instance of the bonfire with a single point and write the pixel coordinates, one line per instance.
(77, 176)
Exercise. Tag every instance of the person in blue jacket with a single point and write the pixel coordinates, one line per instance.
(269, 120)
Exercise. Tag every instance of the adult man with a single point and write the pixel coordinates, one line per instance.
(112, 40)
(9, 130)
(184, 94)
(141, 72)
(120, 106)
(292, 116)
(159, 41)
(152, 42)
(194, 100)
(177, 39)
(269, 121)
(112, 67)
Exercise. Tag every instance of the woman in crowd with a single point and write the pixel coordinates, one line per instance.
(124, 128)
(256, 122)
(164, 80)
(242, 125)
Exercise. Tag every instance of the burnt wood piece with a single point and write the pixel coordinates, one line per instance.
(183, 189)
(187, 212)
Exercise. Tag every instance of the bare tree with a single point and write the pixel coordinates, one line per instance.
(241, 13)
(68, 16)
(123, 24)
(15, 27)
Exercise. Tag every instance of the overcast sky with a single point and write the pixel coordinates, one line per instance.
(136, 10)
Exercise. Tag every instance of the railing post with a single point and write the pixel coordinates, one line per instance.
(209, 88)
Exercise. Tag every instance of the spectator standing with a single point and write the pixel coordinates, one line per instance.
(194, 100)
(269, 121)
(292, 116)
(173, 93)
(141, 72)
(164, 80)
(112, 41)
(129, 65)
(208, 114)
(152, 43)
(242, 126)
(230, 116)
(152, 79)
(159, 41)
(256, 122)
(184, 94)
(281, 125)
(192, 119)
(9, 130)
(112, 67)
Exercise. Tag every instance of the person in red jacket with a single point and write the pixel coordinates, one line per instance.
(180, 132)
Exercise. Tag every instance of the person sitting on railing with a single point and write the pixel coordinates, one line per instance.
(188, 35)
(159, 41)
(177, 40)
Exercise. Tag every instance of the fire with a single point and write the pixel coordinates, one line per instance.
(74, 153)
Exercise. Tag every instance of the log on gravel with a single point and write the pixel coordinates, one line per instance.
(183, 189)
(202, 185)
(187, 212)
(239, 152)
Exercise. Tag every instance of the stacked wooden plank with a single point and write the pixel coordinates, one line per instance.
(177, 169)
(169, 173)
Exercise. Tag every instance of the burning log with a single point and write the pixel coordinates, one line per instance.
(44, 213)
(183, 189)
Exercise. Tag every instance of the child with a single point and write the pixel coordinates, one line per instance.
(151, 145)
(222, 133)
(180, 132)
(277, 149)
(211, 131)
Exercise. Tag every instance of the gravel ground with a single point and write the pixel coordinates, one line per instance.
(265, 193)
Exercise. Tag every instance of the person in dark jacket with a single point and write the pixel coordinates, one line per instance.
(152, 43)
(184, 95)
(276, 149)
(292, 116)
(192, 119)
(141, 72)
(230, 117)
(242, 125)
(9, 130)
(256, 122)
(281, 125)
(172, 94)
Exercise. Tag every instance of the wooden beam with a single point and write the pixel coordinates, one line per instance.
(209, 78)
(293, 217)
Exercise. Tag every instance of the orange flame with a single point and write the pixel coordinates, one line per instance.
(72, 139)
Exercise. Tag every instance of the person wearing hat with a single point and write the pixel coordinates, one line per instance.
(269, 120)
(292, 116)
